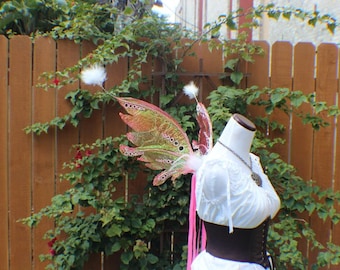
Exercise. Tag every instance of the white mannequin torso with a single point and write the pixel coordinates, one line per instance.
(227, 195)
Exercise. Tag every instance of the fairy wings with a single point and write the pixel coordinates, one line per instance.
(160, 141)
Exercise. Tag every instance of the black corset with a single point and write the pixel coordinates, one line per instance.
(243, 245)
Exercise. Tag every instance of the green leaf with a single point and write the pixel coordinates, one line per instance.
(287, 14)
(114, 230)
(152, 258)
(236, 77)
(329, 202)
(126, 257)
(150, 223)
(313, 21)
(216, 31)
(70, 260)
(231, 63)
(331, 27)
(275, 14)
(115, 247)
(278, 95)
(310, 208)
(231, 24)
(297, 100)
(95, 104)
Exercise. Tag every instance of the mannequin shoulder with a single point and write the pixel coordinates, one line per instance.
(216, 161)
(257, 163)
(217, 166)
(256, 159)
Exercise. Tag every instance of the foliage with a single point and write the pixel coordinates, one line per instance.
(93, 216)
(24, 17)
(275, 12)
(96, 220)
(77, 20)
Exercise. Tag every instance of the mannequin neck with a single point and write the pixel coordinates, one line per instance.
(237, 136)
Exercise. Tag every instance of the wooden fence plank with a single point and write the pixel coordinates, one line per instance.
(90, 129)
(301, 147)
(326, 89)
(114, 126)
(336, 227)
(258, 71)
(147, 69)
(43, 145)
(258, 74)
(20, 146)
(281, 77)
(210, 63)
(4, 164)
(116, 73)
(68, 54)
(189, 63)
(137, 186)
(158, 81)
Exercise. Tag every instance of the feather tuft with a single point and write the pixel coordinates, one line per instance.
(191, 90)
(94, 75)
(193, 163)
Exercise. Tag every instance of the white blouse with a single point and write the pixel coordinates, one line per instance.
(227, 195)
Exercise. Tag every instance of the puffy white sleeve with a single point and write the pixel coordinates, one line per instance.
(227, 195)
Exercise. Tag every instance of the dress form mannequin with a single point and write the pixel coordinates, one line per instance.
(234, 207)
(237, 135)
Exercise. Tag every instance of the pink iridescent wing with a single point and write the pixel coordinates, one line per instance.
(160, 141)
(205, 135)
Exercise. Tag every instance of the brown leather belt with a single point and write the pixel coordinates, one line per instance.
(243, 245)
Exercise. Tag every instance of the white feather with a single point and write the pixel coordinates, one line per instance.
(191, 90)
(193, 163)
(94, 75)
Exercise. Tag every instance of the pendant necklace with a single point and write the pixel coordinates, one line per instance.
(257, 179)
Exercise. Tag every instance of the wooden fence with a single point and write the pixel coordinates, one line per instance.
(29, 164)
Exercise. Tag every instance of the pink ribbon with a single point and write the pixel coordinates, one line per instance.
(196, 241)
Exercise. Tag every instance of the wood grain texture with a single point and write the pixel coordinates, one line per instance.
(20, 151)
(301, 147)
(323, 148)
(281, 77)
(44, 152)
